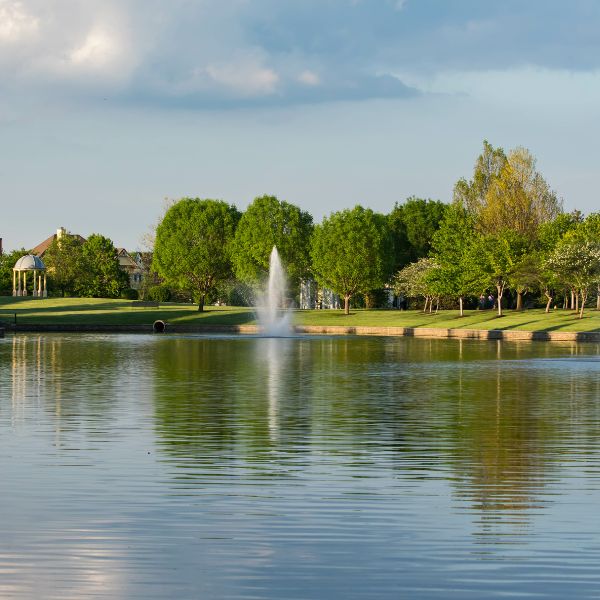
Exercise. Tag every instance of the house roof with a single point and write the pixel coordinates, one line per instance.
(40, 249)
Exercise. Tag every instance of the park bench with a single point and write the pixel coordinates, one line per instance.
(144, 304)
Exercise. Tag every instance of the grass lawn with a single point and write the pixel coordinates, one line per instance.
(120, 312)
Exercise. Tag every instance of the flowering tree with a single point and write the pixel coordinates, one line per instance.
(577, 264)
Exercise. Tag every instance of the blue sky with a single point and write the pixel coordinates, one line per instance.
(109, 106)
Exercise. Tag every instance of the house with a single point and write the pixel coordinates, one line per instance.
(132, 267)
(127, 263)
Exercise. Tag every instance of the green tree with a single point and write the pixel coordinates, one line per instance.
(269, 222)
(499, 255)
(412, 225)
(455, 254)
(193, 245)
(507, 192)
(472, 195)
(101, 276)
(351, 252)
(518, 198)
(7, 262)
(64, 264)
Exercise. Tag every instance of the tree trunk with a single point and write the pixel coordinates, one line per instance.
(346, 305)
(519, 301)
(500, 292)
(598, 298)
(549, 301)
(572, 300)
(460, 305)
(201, 303)
(426, 303)
(565, 302)
(583, 299)
(437, 305)
(576, 301)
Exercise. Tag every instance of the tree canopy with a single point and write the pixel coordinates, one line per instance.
(269, 222)
(193, 245)
(101, 276)
(351, 252)
(412, 226)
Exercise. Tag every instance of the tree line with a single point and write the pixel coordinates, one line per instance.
(505, 230)
(75, 268)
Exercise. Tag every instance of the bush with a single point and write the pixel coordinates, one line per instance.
(159, 293)
(129, 294)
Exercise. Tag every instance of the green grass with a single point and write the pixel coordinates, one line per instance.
(94, 311)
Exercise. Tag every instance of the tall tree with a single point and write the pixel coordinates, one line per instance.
(101, 276)
(518, 198)
(412, 225)
(351, 252)
(507, 193)
(193, 245)
(269, 222)
(472, 195)
(454, 251)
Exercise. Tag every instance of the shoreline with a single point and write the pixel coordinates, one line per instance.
(422, 332)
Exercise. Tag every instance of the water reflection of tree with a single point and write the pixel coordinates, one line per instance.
(216, 400)
(470, 413)
(74, 378)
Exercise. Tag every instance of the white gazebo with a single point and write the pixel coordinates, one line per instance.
(29, 264)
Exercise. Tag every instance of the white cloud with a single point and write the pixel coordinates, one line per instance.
(309, 78)
(98, 49)
(246, 77)
(15, 22)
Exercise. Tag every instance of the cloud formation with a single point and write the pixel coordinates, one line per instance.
(253, 52)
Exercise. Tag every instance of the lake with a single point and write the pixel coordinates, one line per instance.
(175, 466)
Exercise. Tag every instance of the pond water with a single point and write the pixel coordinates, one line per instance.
(306, 468)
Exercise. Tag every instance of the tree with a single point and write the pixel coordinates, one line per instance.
(518, 198)
(270, 222)
(101, 276)
(7, 262)
(507, 192)
(414, 281)
(351, 252)
(577, 263)
(499, 256)
(193, 245)
(472, 195)
(412, 225)
(454, 252)
(64, 263)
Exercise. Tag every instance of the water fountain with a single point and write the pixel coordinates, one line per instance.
(273, 317)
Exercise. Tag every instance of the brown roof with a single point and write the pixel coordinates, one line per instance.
(40, 249)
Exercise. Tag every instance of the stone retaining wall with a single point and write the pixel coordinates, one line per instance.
(425, 332)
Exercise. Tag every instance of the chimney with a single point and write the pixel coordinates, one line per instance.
(0, 246)
(60, 232)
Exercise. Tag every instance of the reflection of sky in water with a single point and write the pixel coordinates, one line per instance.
(182, 466)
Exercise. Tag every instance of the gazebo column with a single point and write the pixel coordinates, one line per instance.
(35, 283)
(40, 286)
(24, 283)
(45, 290)
(14, 283)
(19, 291)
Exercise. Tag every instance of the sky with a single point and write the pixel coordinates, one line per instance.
(109, 107)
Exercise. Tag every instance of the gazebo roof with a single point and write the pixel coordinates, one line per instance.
(30, 262)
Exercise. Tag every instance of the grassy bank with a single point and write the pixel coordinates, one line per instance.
(91, 311)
